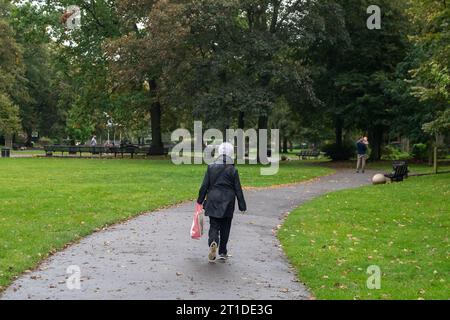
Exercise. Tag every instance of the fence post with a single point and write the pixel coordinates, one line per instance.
(435, 166)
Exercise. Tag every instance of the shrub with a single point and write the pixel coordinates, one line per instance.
(45, 141)
(443, 153)
(420, 151)
(392, 153)
(345, 152)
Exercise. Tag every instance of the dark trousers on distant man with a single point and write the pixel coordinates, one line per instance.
(219, 232)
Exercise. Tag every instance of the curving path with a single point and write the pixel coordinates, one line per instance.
(153, 257)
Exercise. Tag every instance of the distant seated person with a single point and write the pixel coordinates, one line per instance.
(94, 141)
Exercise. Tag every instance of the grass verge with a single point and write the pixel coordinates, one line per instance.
(403, 228)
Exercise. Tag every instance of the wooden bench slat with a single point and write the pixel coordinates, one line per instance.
(130, 149)
(308, 153)
(399, 171)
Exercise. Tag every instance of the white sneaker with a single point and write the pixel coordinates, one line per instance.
(212, 252)
(223, 257)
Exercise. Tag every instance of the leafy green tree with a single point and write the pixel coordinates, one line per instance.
(420, 87)
(326, 53)
(359, 63)
(143, 54)
(431, 78)
(11, 73)
(37, 100)
(239, 60)
(81, 76)
(9, 117)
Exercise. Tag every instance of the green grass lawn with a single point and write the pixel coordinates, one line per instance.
(403, 228)
(47, 203)
(386, 166)
(413, 167)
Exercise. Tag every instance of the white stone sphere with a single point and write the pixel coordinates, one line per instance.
(378, 179)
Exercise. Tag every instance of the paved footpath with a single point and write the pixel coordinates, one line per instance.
(153, 257)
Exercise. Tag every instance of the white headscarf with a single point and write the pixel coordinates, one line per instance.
(226, 149)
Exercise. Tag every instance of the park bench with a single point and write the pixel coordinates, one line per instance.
(135, 149)
(124, 149)
(399, 171)
(306, 154)
(49, 150)
(131, 149)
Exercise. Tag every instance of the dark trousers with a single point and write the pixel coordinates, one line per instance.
(219, 232)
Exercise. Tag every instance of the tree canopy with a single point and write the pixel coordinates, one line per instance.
(311, 68)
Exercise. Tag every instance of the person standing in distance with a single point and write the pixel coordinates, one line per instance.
(361, 146)
(94, 141)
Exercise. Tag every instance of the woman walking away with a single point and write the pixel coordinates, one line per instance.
(221, 186)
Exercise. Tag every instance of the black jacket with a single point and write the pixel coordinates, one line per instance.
(221, 186)
(361, 147)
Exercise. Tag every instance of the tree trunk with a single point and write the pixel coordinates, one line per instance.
(157, 147)
(241, 120)
(376, 141)
(262, 124)
(285, 145)
(8, 140)
(29, 133)
(338, 131)
(430, 152)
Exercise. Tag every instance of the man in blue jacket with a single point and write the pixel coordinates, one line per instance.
(218, 192)
(361, 146)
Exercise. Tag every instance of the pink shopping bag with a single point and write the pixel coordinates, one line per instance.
(197, 223)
